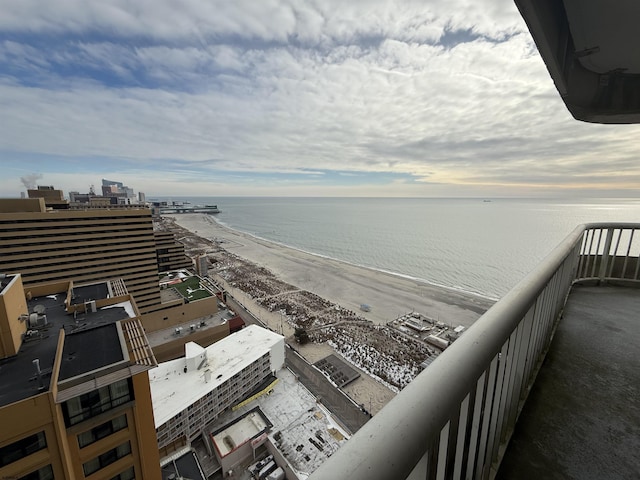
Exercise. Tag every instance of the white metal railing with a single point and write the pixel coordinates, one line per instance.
(610, 252)
(456, 418)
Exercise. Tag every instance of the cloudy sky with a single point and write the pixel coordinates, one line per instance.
(293, 97)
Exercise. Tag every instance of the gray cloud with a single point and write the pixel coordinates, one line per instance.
(450, 91)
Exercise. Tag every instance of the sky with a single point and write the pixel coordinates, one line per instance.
(293, 98)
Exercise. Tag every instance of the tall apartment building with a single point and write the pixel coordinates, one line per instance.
(75, 401)
(170, 252)
(52, 198)
(89, 245)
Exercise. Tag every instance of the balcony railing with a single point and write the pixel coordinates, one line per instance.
(455, 419)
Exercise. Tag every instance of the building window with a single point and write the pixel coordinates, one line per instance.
(107, 458)
(22, 448)
(128, 474)
(101, 431)
(44, 473)
(94, 403)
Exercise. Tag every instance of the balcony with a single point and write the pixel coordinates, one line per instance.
(544, 385)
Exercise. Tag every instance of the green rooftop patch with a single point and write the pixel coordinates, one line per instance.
(191, 289)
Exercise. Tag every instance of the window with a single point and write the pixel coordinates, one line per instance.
(107, 458)
(22, 448)
(101, 431)
(94, 403)
(44, 473)
(128, 474)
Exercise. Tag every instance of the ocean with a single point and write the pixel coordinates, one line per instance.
(474, 245)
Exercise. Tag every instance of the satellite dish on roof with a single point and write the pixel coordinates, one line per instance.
(39, 309)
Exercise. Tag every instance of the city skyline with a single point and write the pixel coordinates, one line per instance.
(290, 98)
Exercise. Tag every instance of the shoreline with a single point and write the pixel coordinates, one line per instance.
(282, 274)
(411, 278)
(348, 285)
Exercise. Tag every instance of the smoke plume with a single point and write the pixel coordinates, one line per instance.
(30, 181)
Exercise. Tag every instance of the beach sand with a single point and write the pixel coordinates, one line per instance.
(349, 286)
(341, 283)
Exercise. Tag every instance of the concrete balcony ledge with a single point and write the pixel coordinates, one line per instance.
(582, 417)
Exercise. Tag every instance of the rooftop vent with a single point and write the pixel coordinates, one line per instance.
(37, 321)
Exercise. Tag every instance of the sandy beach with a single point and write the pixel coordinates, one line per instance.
(346, 285)
(268, 278)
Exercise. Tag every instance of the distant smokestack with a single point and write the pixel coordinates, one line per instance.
(30, 181)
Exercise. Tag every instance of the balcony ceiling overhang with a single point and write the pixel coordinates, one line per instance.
(590, 49)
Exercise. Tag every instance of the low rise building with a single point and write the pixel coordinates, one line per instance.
(190, 392)
(197, 315)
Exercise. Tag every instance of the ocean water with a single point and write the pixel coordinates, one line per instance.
(473, 245)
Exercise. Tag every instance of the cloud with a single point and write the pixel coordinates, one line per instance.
(445, 93)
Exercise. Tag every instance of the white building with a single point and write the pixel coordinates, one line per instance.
(189, 392)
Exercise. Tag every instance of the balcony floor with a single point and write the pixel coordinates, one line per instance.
(582, 418)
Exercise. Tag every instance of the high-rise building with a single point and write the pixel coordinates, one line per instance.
(170, 252)
(75, 400)
(118, 190)
(89, 245)
(52, 198)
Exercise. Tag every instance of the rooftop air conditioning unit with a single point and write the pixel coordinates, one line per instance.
(37, 321)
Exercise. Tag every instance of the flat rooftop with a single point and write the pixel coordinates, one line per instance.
(165, 335)
(188, 286)
(19, 378)
(184, 465)
(240, 431)
(86, 293)
(173, 389)
(303, 430)
(582, 417)
(91, 349)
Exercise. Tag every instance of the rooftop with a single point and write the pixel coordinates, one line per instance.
(91, 349)
(183, 465)
(160, 337)
(175, 385)
(188, 286)
(303, 429)
(86, 293)
(5, 280)
(240, 431)
(83, 350)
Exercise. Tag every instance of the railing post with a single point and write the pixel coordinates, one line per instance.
(605, 255)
